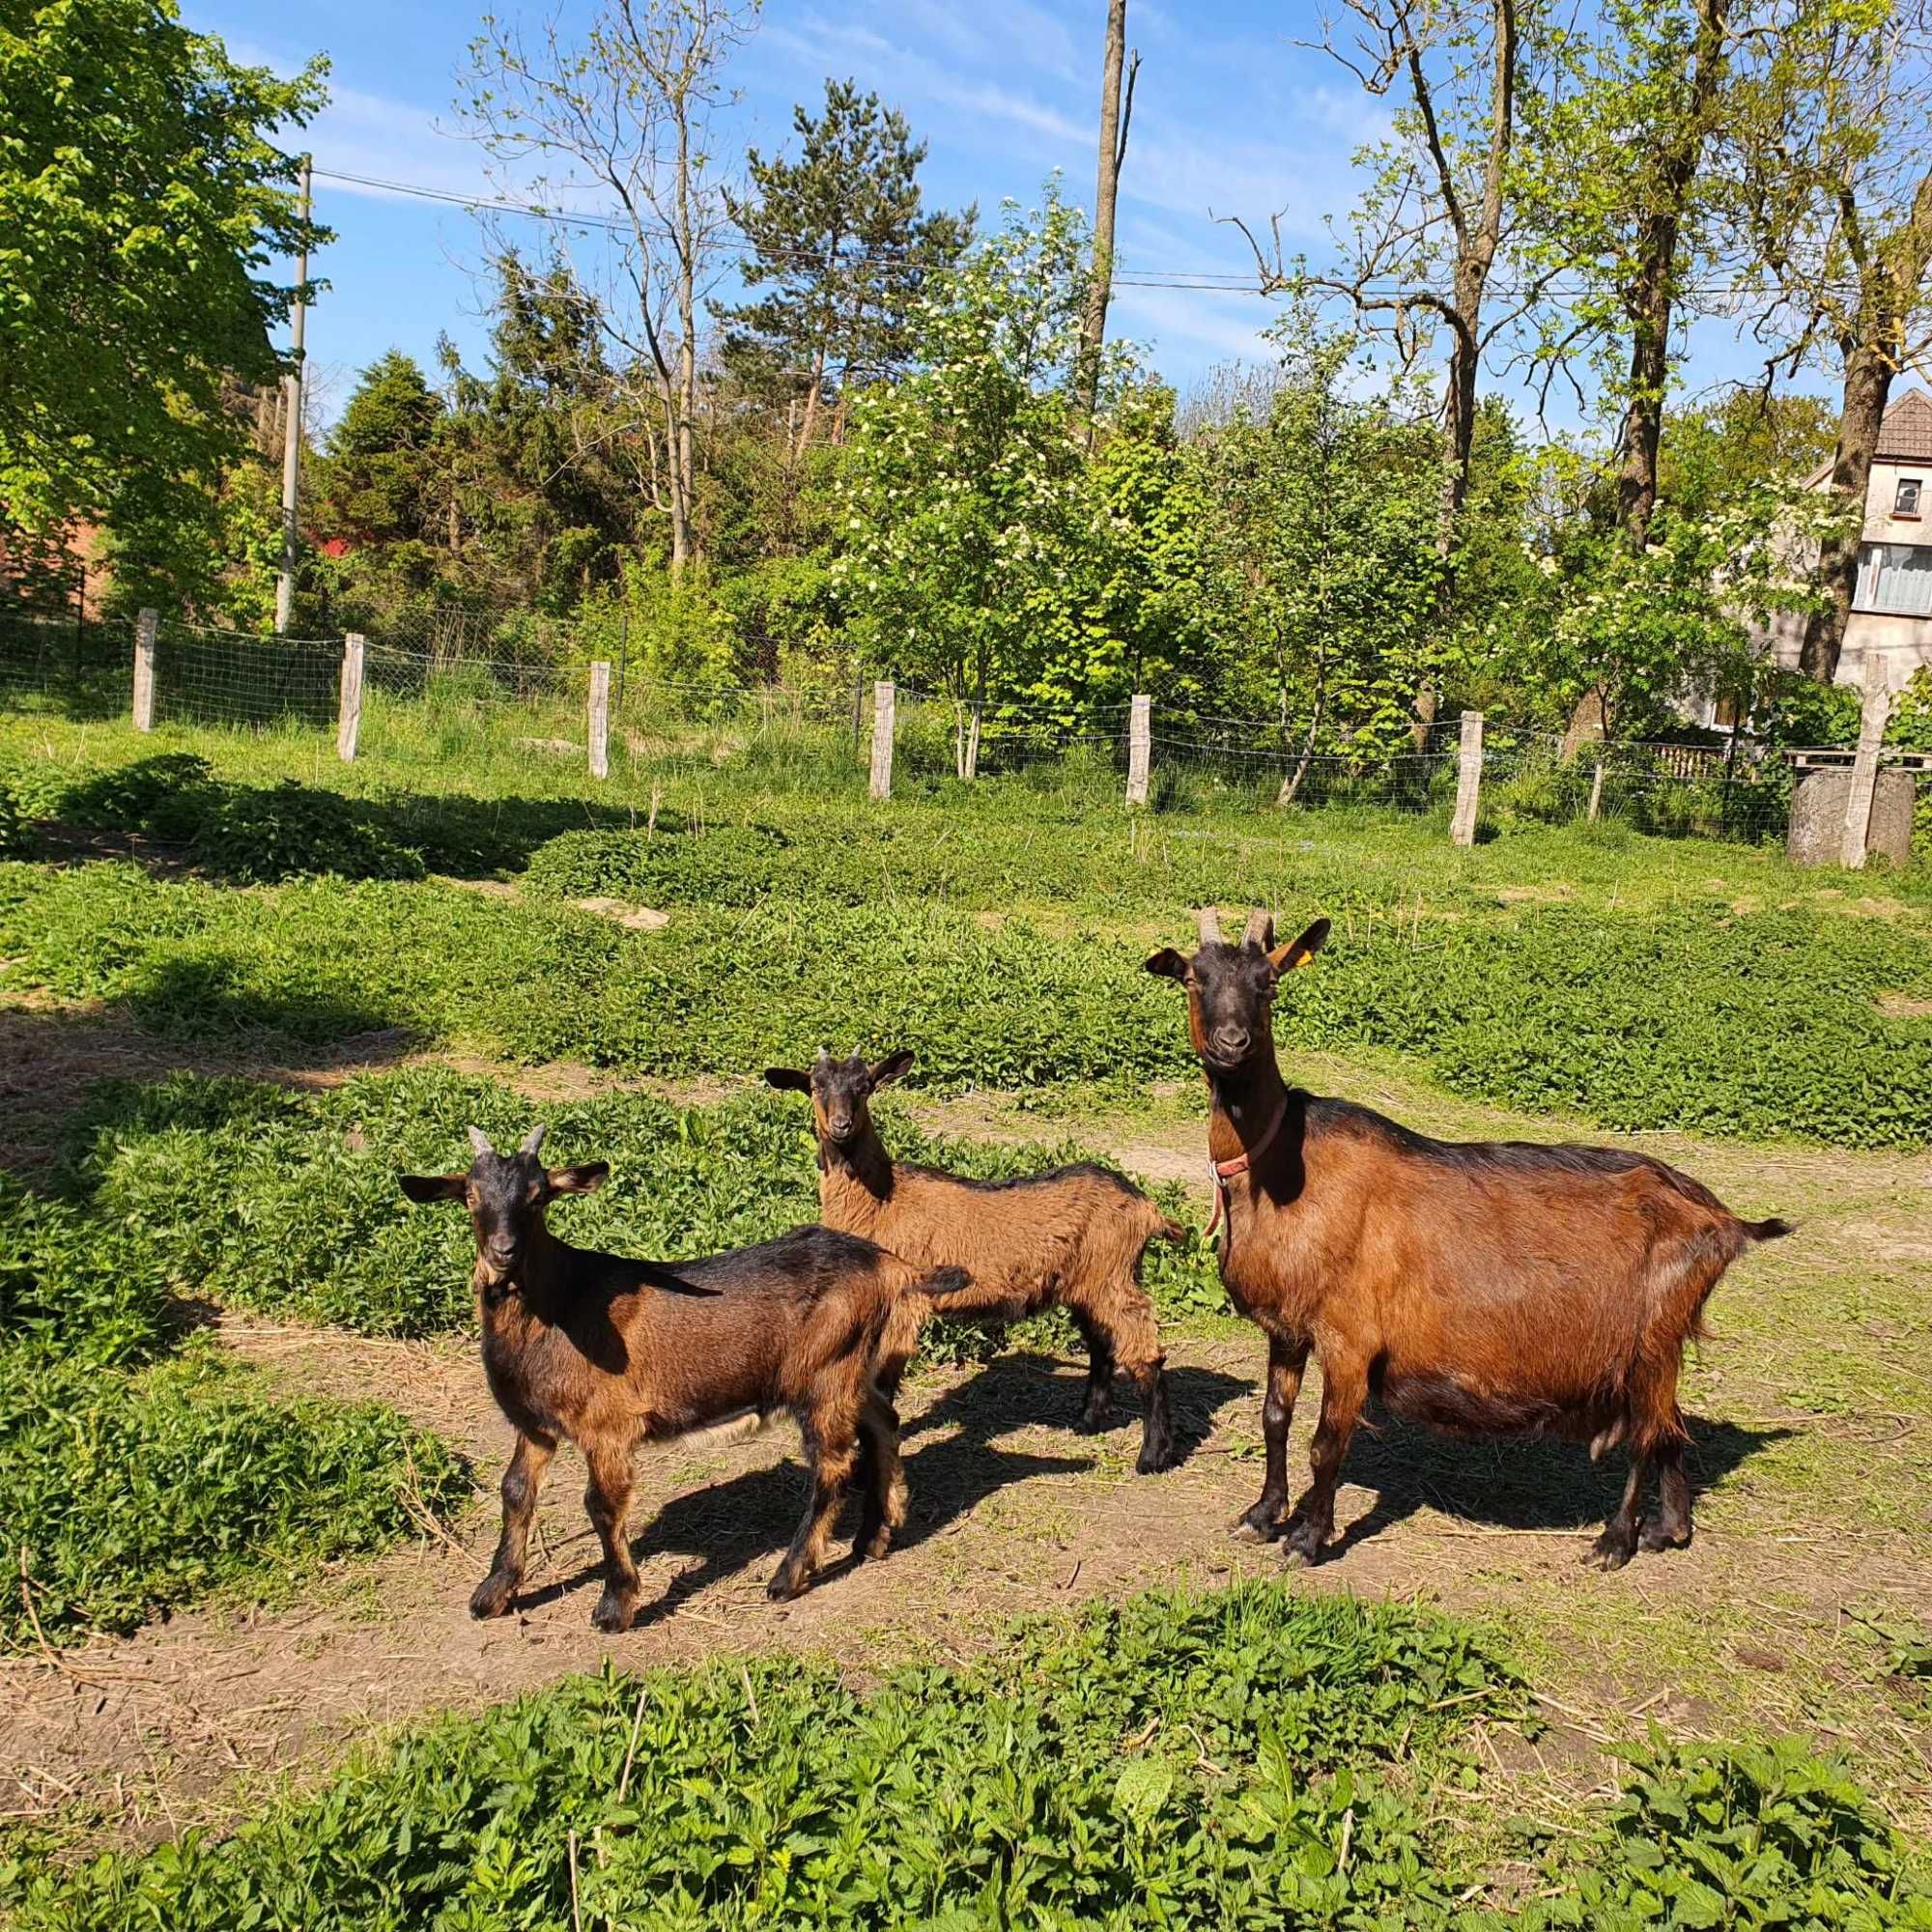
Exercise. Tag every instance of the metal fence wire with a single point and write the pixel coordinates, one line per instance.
(478, 685)
(234, 679)
(66, 664)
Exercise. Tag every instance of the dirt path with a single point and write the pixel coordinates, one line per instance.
(1013, 1512)
(1811, 1462)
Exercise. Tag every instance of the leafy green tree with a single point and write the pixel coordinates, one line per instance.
(142, 198)
(963, 507)
(842, 246)
(1324, 523)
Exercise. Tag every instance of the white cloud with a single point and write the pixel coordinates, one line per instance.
(1218, 324)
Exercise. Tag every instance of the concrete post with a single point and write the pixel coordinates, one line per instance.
(1873, 717)
(146, 627)
(1140, 744)
(885, 714)
(1469, 780)
(600, 720)
(348, 711)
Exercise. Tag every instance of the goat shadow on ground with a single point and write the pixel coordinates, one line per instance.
(1511, 1483)
(1024, 1388)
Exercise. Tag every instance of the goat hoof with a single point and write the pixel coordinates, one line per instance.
(492, 1597)
(1303, 1546)
(1611, 1550)
(613, 1613)
(1256, 1525)
(1655, 1537)
(1156, 1459)
(1095, 1418)
(879, 1543)
(784, 1586)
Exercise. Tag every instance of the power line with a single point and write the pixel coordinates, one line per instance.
(1206, 281)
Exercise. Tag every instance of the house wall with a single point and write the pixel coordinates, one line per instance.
(1904, 642)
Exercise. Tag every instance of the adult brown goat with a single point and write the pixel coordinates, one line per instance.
(610, 1352)
(1075, 1236)
(1478, 1286)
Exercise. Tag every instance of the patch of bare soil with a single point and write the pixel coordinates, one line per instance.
(1013, 1512)
(1903, 1006)
(632, 918)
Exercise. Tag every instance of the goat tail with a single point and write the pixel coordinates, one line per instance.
(1773, 1230)
(944, 1281)
(1168, 1231)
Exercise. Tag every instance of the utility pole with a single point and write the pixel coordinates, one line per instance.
(1115, 113)
(291, 419)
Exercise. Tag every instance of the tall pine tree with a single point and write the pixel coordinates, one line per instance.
(838, 239)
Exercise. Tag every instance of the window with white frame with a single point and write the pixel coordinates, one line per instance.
(1896, 578)
(1905, 501)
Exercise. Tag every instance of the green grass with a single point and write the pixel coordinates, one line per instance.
(142, 1470)
(287, 1201)
(1251, 1757)
(1760, 1025)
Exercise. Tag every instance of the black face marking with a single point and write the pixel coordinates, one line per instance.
(1232, 990)
(506, 1196)
(840, 1091)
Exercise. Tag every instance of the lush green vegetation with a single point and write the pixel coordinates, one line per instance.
(141, 1469)
(287, 1203)
(1635, 1014)
(1254, 1757)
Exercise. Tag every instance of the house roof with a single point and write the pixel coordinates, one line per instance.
(1905, 436)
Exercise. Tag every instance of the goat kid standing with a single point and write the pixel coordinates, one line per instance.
(1477, 1287)
(1075, 1236)
(608, 1352)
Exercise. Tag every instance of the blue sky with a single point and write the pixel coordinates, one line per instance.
(1231, 117)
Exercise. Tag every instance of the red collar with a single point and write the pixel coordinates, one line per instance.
(1221, 1172)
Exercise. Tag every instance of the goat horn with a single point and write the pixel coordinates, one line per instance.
(1210, 927)
(824, 1056)
(480, 1141)
(1260, 929)
(534, 1139)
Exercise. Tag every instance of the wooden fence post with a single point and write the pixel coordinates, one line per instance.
(885, 711)
(349, 710)
(1596, 785)
(1873, 717)
(1469, 780)
(600, 720)
(146, 626)
(1140, 740)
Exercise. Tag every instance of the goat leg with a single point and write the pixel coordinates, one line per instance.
(1670, 1527)
(832, 1451)
(1096, 1406)
(881, 1478)
(520, 1482)
(1157, 1445)
(1617, 1544)
(1345, 1387)
(606, 1501)
(1286, 1362)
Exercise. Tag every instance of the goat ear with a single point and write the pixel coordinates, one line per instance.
(584, 1179)
(893, 1066)
(1301, 952)
(789, 1078)
(434, 1187)
(1168, 964)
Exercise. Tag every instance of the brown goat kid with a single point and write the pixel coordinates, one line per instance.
(1075, 1237)
(610, 1352)
(1477, 1287)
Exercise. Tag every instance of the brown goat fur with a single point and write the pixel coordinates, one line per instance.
(1477, 1287)
(608, 1353)
(1075, 1237)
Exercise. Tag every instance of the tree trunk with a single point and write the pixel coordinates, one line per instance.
(1652, 290)
(1112, 149)
(1867, 388)
(1891, 278)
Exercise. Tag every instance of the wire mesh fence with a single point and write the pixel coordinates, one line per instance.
(66, 664)
(470, 690)
(207, 676)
